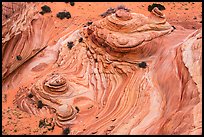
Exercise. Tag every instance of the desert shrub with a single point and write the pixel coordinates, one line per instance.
(89, 23)
(159, 6)
(63, 15)
(80, 39)
(70, 44)
(18, 57)
(40, 104)
(142, 65)
(122, 7)
(113, 10)
(66, 131)
(45, 9)
(30, 95)
(41, 123)
(108, 12)
(72, 3)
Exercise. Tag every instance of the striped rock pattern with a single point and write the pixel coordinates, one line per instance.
(97, 87)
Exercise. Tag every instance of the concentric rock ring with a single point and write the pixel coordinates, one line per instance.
(124, 31)
(55, 84)
(65, 113)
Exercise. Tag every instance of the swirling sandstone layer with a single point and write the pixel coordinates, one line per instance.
(22, 37)
(97, 87)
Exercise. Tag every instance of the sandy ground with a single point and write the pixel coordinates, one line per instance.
(186, 14)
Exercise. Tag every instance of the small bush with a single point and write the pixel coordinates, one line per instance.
(81, 39)
(113, 10)
(41, 123)
(108, 12)
(89, 23)
(30, 95)
(122, 7)
(45, 9)
(72, 3)
(70, 45)
(66, 131)
(63, 15)
(142, 65)
(159, 6)
(40, 104)
(18, 57)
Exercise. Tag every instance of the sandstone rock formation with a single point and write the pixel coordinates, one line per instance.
(97, 87)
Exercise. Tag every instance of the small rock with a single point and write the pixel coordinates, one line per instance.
(94, 132)
(174, 27)
(77, 109)
(45, 131)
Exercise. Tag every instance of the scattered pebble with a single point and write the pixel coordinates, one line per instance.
(77, 109)
(174, 27)
(94, 132)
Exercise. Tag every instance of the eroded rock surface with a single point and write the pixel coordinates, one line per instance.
(97, 87)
